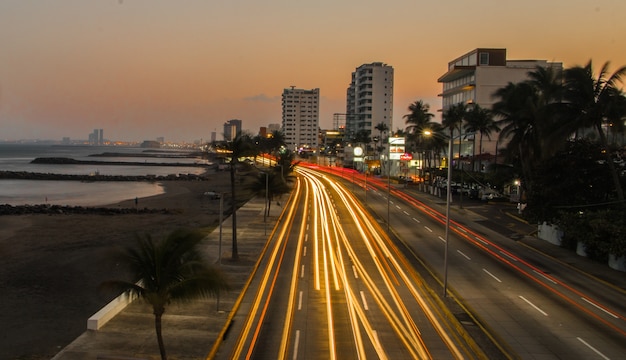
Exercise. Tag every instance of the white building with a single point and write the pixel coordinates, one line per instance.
(369, 99)
(475, 76)
(300, 124)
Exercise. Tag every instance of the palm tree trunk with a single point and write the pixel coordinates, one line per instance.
(609, 160)
(480, 152)
(158, 314)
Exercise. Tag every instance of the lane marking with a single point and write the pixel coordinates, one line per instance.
(414, 219)
(606, 311)
(545, 277)
(427, 228)
(364, 301)
(306, 237)
(376, 340)
(398, 207)
(442, 239)
(356, 275)
(481, 240)
(300, 300)
(507, 255)
(594, 349)
(492, 275)
(406, 213)
(533, 305)
(465, 256)
(302, 272)
(304, 251)
(296, 342)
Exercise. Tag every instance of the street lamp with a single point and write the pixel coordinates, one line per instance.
(266, 201)
(448, 195)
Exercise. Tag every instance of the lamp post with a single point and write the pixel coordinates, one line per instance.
(448, 195)
(266, 201)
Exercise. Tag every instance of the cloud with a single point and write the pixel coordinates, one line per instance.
(262, 98)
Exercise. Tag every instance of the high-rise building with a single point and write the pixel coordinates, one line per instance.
(369, 99)
(474, 77)
(231, 129)
(300, 124)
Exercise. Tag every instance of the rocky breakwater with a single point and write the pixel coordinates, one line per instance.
(66, 161)
(24, 175)
(72, 210)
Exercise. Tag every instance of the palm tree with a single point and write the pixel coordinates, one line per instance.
(453, 118)
(480, 120)
(593, 100)
(381, 127)
(241, 146)
(171, 270)
(418, 119)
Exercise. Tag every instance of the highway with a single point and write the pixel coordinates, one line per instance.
(534, 306)
(332, 285)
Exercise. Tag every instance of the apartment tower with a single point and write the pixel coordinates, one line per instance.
(369, 99)
(300, 123)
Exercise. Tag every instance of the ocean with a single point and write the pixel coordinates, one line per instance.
(18, 157)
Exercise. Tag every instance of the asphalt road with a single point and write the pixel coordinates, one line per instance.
(533, 305)
(333, 286)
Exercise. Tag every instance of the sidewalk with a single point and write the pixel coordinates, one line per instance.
(189, 330)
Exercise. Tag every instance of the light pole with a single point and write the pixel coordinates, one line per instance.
(219, 255)
(448, 194)
(266, 201)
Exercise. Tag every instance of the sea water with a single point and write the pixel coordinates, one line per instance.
(17, 157)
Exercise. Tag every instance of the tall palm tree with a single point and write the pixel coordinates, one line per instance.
(417, 121)
(480, 120)
(593, 100)
(241, 146)
(452, 119)
(171, 270)
(516, 112)
(382, 128)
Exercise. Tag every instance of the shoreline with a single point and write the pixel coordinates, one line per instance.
(53, 263)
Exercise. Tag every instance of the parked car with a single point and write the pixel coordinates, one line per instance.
(212, 195)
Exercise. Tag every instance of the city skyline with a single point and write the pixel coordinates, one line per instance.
(143, 70)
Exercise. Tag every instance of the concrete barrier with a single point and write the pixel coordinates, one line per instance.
(97, 320)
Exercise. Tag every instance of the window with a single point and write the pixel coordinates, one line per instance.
(484, 58)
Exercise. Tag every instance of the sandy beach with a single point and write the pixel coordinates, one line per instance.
(52, 264)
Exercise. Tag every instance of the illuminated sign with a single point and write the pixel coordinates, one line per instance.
(396, 148)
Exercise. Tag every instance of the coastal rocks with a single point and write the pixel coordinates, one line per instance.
(23, 175)
(71, 210)
(65, 161)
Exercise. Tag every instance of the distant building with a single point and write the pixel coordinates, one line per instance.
(300, 122)
(213, 136)
(273, 127)
(160, 139)
(369, 99)
(150, 144)
(65, 141)
(474, 77)
(231, 129)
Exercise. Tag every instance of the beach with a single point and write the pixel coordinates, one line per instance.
(52, 264)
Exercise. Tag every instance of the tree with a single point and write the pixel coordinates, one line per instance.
(516, 110)
(417, 120)
(382, 128)
(480, 120)
(171, 270)
(594, 101)
(453, 118)
(241, 146)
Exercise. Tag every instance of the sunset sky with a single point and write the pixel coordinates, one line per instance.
(140, 69)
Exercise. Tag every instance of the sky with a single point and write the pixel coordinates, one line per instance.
(142, 69)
